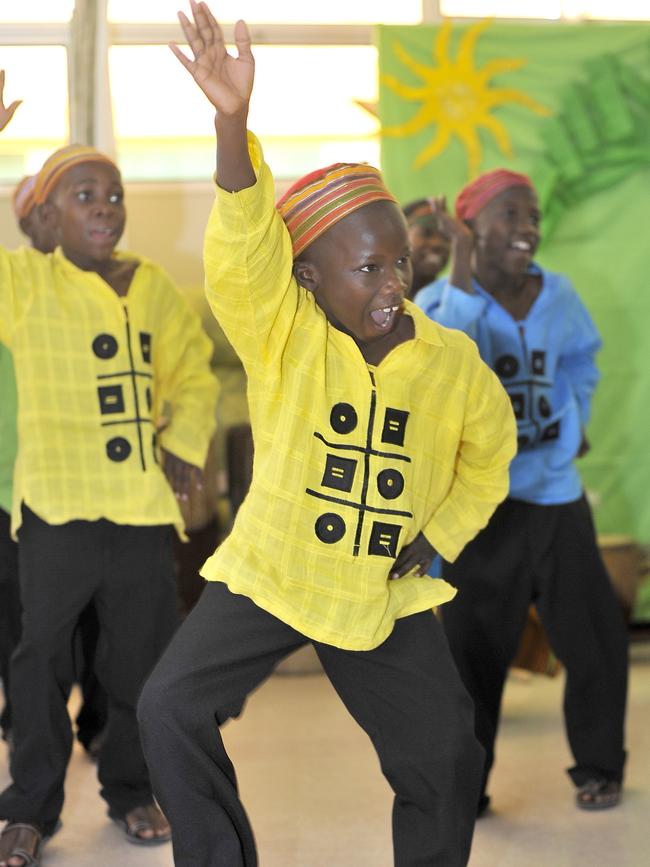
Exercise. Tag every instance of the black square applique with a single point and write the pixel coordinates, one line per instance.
(538, 360)
(111, 399)
(145, 346)
(383, 539)
(339, 473)
(394, 426)
(518, 405)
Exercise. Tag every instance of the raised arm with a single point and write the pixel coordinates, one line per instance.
(462, 245)
(6, 112)
(227, 82)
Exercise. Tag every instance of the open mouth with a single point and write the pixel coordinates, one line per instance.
(102, 232)
(522, 246)
(383, 317)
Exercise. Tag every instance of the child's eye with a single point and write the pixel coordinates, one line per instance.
(368, 268)
(83, 195)
(115, 198)
(404, 260)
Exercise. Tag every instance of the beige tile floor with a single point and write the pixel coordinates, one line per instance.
(332, 806)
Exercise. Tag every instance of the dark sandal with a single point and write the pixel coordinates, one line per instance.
(598, 794)
(27, 845)
(134, 827)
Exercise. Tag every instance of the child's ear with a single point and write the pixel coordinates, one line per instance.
(48, 214)
(306, 274)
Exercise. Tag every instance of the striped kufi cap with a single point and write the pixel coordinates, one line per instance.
(318, 201)
(23, 197)
(476, 195)
(61, 161)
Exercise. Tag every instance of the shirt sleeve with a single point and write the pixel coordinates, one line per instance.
(481, 476)
(248, 265)
(15, 289)
(185, 381)
(582, 342)
(460, 310)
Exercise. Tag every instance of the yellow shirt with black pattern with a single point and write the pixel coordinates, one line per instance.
(351, 461)
(93, 372)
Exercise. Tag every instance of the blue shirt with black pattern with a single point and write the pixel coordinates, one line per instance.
(546, 363)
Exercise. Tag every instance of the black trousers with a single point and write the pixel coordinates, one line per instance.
(94, 710)
(406, 694)
(9, 610)
(128, 572)
(547, 555)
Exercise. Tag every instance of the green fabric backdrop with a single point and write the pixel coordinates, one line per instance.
(574, 102)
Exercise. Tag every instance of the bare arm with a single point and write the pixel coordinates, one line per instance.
(462, 245)
(227, 82)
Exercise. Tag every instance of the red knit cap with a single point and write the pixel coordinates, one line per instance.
(476, 195)
(318, 201)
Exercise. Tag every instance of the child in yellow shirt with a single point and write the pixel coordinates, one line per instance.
(380, 438)
(100, 341)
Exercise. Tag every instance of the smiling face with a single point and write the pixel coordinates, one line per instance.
(86, 213)
(507, 231)
(360, 272)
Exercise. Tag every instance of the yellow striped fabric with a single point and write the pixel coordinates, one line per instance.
(93, 372)
(351, 463)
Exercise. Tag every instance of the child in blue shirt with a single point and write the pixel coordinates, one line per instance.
(540, 546)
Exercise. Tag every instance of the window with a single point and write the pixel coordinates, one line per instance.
(320, 121)
(41, 123)
(316, 69)
(37, 12)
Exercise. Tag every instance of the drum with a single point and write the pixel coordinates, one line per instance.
(534, 653)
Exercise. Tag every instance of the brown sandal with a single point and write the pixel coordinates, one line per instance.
(27, 843)
(598, 794)
(138, 820)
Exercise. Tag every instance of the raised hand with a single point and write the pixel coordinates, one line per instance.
(226, 81)
(6, 112)
(462, 245)
(457, 230)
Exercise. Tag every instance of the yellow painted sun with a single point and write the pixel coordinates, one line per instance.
(457, 97)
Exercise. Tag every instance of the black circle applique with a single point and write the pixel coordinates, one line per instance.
(105, 346)
(390, 484)
(118, 449)
(343, 418)
(330, 528)
(506, 366)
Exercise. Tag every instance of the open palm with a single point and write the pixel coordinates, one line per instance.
(226, 81)
(6, 112)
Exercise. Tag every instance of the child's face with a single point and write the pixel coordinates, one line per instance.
(429, 249)
(88, 214)
(507, 230)
(360, 271)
